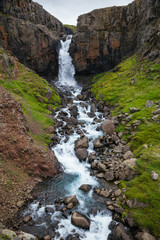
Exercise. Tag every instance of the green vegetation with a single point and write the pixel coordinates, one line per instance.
(131, 84)
(34, 93)
(72, 27)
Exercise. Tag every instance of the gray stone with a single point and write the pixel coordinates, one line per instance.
(104, 193)
(149, 104)
(26, 236)
(109, 176)
(117, 193)
(130, 162)
(81, 153)
(155, 118)
(157, 112)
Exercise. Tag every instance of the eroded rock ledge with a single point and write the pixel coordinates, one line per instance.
(31, 34)
(106, 36)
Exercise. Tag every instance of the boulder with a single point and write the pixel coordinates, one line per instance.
(144, 236)
(128, 155)
(81, 153)
(85, 187)
(82, 143)
(130, 162)
(104, 193)
(80, 220)
(108, 127)
(73, 111)
(117, 193)
(119, 232)
(109, 176)
(71, 199)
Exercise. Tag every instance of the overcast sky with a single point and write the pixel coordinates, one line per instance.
(67, 11)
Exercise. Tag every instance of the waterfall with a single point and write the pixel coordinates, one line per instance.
(66, 68)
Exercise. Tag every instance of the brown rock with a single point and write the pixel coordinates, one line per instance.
(85, 187)
(144, 236)
(71, 199)
(104, 193)
(80, 220)
(82, 143)
(81, 153)
(27, 219)
(128, 155)
(108, 127)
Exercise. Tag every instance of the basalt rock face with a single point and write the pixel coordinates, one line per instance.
(31, 34)
(106, 36)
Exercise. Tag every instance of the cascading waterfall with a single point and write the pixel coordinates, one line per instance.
(75, 173)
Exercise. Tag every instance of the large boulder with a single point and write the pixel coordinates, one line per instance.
(80, 220)
(71, 199)
(82, 143)
(108, 127)
(81, 153)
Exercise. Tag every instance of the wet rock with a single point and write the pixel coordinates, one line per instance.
(73, 111)
(149, 104)
(71, 199)
(85, 187)
(119, 233)
(91, 114)
(80, 220)
(81, 153)
(112, 225)
(154, 176)
(144, 236)
(128, 155)
(82, 143)
(108, 127)
(27, 219)
(104, 193)
(93, 108)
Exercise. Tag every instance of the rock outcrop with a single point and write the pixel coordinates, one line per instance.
(106, 36)
(17, 146)
(31, 34)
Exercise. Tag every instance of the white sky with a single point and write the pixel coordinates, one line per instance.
(67, 11)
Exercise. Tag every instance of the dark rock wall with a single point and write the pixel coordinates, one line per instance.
(106, 36)
(31, 34)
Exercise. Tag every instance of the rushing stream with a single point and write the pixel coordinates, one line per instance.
(75, 172)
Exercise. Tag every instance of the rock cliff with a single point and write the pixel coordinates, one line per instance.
(106, 36)
(31, 34)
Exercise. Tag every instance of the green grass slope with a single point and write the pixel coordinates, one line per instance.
(131, 84)
(36, 96)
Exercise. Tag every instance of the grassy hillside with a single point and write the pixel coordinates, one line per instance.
(72, 27)
(131, 84)
(37, 98)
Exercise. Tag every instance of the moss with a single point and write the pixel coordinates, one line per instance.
(131, 85)
(72, 27)
(31, 91)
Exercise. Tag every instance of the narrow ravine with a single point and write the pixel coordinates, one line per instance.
(48, 212)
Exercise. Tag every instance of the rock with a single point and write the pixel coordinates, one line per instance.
(47, 237)
(26, 236)
(154, 176)
(134, 109)
(32, 35)
(70, 206)
(112, 225)
(130, 162)
(27, 219)
(128, 155)
(120, 233)
(155, 118)
(109, 176)
(20, 204)
(149, 104)
(144, 236)
(118, 149)
(85, 187)
(82, 143)
(104, 193)
(74, 111)
(97, 143)
(118, 193)
(93, 108)
(135, 204)
(80, 220)
(91, 114)
(108, 127)
(111, 208)
(157, 112)
(81, 153)
(71, 199)
(8, 234)
(101, 167)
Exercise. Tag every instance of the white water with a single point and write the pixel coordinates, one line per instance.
(71, 165)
